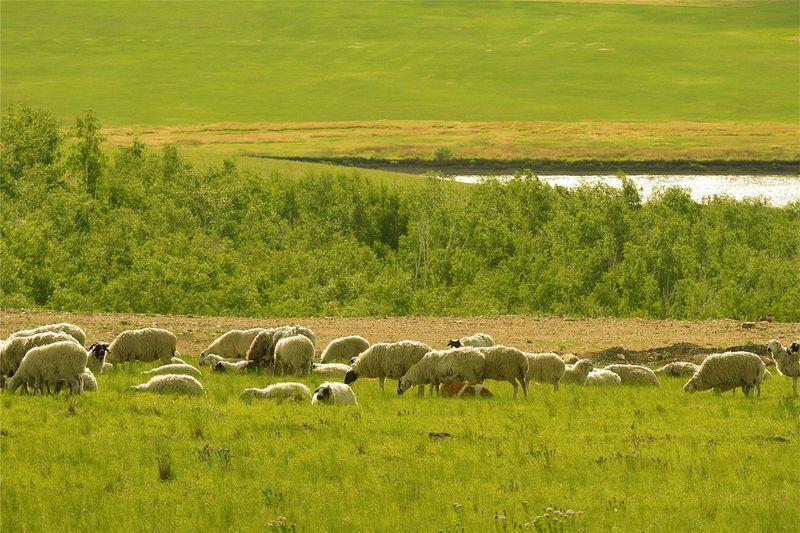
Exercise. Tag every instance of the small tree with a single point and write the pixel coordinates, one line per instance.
(87, 158)
(28, 138)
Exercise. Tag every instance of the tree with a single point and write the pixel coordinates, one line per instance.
(28, 137)
(87, 158)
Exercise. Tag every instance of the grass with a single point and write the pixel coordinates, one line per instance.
(627, 458)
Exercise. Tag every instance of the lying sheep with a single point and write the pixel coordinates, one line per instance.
(330, 370)
(462, 389)
(678, 369)
(294, 354)
(634, 374)
(546, 368)
(333, 393)
(15, 348)
(262, 349)
(179, 368)
(88, 381)
(787, 360)
(177, 361)
(148, 344)
(233, 344)
(237, 367)
(70, 329)
(213, 359)
(386, 360)
(172, 384)
(504, 363)
(97, 356)
(444, 366)
(577, 373)
(477, 340)
(47, 365)
(344, 349)
(725, 371)
(279, 391)
(602, 377)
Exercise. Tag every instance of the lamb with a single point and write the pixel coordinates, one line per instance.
(64, 327)
(212, 359)
(678, 369)
(634, 374)
(15, 348)
(787, 360)
(602, 377)
(233, 344)
(294, 354)
(462, 389)
(344, 349)
(47, 365)
(504, 363)
(330, 370)
(386, 360)
(278, 391)
(476, 341)
(578, 372)
(545, 367)
(97, 356)
(238, 367)
(172, 384)
(262, 349)
(726, 371)
(334, 393)
(148, 344)
(88, 381)
(180, 368)
(444, 366)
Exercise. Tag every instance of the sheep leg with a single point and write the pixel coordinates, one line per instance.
(381, 380)
(758, 388)
(524, 388)
(794, 385)
(746, 389)
(555, 386)
(514, 384)
(421, 391)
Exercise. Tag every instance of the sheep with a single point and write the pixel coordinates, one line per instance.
(294, 354)
(634, 374)
(787, 360)
(64, 327)
(386, 360)
(47, 365)
(476, 341)
(330, 370)
(726, 371)
(172, 384)
(578, 372)
(262, 349)
(239, 367)
(504, 363)
(212, 359)
(462, 389)
(344, 349)
(678, 369)
(545, 367)
(334, 393)
(570, 358)
(177, 361)
(97, 356)
(233, 344)
(88, 381)
(15, 348)
(148, 344)
(602, 377)
(174, 369)
(444, 366)
(278, 391)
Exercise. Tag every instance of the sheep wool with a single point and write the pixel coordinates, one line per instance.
(262, 349)
(602, 377)
(177, 361)
(444, 366)
(47, 365)
(212, 359)
(725, 371)
(179, 368)
(678, 369)
(294, 354)
(462, 389)
(333, 393)
(88, 381)
(577, 373)
(475, 341)
(148, 344)
(330, 370)
(344, 349)
(237, 367)
(233, 344)
(503, 363)
(634, 374)
(64, 327)
(278, 391)
(545, 368)
(15, 348)
(386, 360)
(172, 384)
(787, 360)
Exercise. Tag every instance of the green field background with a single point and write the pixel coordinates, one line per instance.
(180, 62)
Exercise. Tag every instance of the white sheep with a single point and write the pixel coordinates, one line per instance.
(333, 393)
(444, 366)
(172, 384)
(344, 349)
(212, 359)
(787, 360)
(602, 377)
(49, 364)
(64, 327)
(678, 369)
(634, 374)
(330, 370)
(725, 371)
(577, 373)
(15, 348)
(294, 354)
(177, 361)
(233, 344)
(546, 368)
(97, 356)
(386, 360)
(476, 341)
(179, 368)
(262, 349)
(504, 363)
(278, 391)
(88, 381)
(148, 344)
(238, 367)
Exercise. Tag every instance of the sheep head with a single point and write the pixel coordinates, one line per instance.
(454, 343)
(350, 376)
(322, 393)
(691, 385)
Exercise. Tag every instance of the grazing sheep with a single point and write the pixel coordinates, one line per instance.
(97, 356)
(49, 364)
(462, 389)
(678, 369)
(635, 374)
(576, 374)
(787, 360)
(386, 360)
(545, 367)
(148, 344)
(262, 349)
(602, 377)
(330, 370)
(725, 371)
(294, 354)
(15, 348)
(279, 391)
(344, 349)
(171, 384)
(333, 393)
(238, 367)
(212, 359)
(444, 366)
(504, 363)
(70, 329)
(476, 341)
(233, 344)
(179, 368)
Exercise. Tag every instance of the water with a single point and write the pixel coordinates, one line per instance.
(778, 190)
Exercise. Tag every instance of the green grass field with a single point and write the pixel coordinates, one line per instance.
(626, 458)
